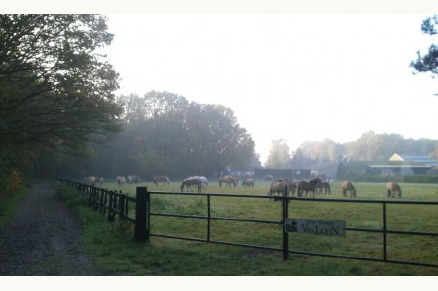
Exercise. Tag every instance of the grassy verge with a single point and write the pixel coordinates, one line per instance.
(113, 249)
(8, 204)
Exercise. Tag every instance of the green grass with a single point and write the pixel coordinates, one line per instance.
(8, 204)
(116, 253)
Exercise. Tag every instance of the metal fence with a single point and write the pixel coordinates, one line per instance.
(112, 203)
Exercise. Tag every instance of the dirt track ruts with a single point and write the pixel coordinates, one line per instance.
(43, 238)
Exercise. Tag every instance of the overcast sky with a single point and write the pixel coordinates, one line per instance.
(294, 77)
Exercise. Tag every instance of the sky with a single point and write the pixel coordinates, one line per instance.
(296, 77)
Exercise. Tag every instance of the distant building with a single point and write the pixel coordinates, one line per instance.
(420, 160)
(404, 165)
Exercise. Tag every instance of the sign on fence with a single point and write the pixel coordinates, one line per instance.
(311, 226)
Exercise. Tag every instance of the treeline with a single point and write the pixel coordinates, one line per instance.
(56, 90)
(165, 134)
(370, 147)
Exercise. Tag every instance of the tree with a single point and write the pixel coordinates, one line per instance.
(56, 86)
(279, 155)
(167, 134)
(429, 61)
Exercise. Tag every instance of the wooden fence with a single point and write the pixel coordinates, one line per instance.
(111, 203)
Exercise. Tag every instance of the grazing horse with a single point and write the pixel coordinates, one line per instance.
(277, 187)
(248, 182)
(161, 179)
(393, 189)
(133, 179)
(228, 180)
(90, 180)
(323, 186)
(121, 181)
(204, 181)
(308, 187)
(292, 186)
(348, 186)
(189, 182)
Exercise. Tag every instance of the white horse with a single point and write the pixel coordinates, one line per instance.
(121, 181)
(191, 181)
(204, 181)
(133, 179)
(90, 180)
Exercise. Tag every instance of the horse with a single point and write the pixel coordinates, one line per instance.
(121, 181)
(204, 181)
(90, 180)
(348, 186)
(269, 178)
(228, 180)
(248, 182)
(189, 182)
(308, 187)
(161, 179)
(323, 186)
(133, 179)
(292, 186)
(99, 180)
(393, 189)
(277, 187)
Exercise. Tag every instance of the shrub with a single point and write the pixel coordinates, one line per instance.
(10, 183)
(14, 181)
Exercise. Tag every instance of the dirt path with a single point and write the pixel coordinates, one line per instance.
(43, 238)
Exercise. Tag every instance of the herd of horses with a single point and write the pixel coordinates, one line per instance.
(316, 185)
(93, 181)
(278, 187)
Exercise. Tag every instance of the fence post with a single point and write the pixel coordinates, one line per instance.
(384, 232)
(208, 218)
(122, 199)
(141, 233)
(285, 214)
(110, 206)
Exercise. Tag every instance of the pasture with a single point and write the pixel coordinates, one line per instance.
(362, 244)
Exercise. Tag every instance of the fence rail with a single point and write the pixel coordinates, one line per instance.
(111, 203)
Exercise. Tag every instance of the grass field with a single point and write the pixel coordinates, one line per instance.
(178, 257)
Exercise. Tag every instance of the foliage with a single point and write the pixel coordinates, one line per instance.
(165, 134)
(278, 155)
(56, 87)
(353, 156)
(14, 181)
(429, 61)
(9, 202)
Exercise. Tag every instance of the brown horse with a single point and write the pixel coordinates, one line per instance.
(277, 187)
(393, 189)
(292, 186)
(228, 180)
(308, 187)
(348, 186)
(248, 182)
(161, 179)
(323, 187)
(191, 181)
